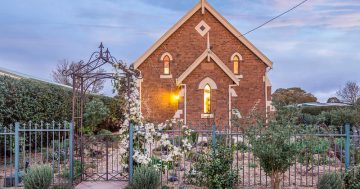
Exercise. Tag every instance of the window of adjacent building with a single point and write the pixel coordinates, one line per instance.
(207, 99)
(236, 64)
(166, 62)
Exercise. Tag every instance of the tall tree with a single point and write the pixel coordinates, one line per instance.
(333, 100)
(294, 95)
(350, 93)
(93, 85)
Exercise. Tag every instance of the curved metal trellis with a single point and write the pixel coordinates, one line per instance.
(84, 74)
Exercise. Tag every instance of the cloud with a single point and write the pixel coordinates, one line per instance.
(314, 47)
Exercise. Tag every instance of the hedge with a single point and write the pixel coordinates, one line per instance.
(26, 100)
(316, 110)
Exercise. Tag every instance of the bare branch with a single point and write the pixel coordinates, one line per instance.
(350, 93)
(94, 85)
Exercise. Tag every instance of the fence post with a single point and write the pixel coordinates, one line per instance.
(131, 149)
(213, 139)
(347, 146)
(17, 128)
(71, 148)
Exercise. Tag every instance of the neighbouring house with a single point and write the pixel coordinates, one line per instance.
(203, 71)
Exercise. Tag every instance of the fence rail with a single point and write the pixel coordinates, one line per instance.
(29, 144)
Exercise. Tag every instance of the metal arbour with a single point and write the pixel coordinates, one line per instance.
(84, 74)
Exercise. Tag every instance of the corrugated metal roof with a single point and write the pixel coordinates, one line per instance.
(318, 104)
(18, 75)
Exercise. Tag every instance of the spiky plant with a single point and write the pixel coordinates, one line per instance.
(145, 177)
(38, 177)
(330, 180)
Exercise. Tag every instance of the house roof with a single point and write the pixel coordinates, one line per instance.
(216, 59)
(318, 104)
(18, 75)
(217, 15)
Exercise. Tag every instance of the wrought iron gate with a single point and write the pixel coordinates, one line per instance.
(101, 159)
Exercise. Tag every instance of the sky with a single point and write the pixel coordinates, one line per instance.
(315, 47)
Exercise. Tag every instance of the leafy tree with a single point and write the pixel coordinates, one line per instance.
(350, 93)
(294, 95)
(95, 113)
(333, 100)
(272, 144)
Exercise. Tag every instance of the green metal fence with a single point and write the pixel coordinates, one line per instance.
(27, 144)
(337, 151)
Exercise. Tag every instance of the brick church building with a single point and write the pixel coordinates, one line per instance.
(203, 70)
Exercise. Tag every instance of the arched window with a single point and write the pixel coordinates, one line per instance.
(166, 61)
(235, 60)
(236, 64)
(207, 99)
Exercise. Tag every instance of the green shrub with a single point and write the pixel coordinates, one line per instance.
(145, 177)
(340, 116)
(95, 113)
(213, 169)
(26, 100)
(38, 177)
(106, 135)
(330, 181)
(316, 110)
(77, 170)
(352, 178)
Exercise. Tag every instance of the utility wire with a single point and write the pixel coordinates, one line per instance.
(272, 19)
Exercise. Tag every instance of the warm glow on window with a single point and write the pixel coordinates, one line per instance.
(166, 61)
(207, 98)
(236, 65)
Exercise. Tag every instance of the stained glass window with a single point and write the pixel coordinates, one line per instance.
(207, 99)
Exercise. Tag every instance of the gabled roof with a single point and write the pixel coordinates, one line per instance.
(216, 59)
(218, 16)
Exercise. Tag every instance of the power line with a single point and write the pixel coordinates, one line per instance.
(272, 19)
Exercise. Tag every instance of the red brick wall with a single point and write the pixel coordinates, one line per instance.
(219, 97)
(185, 45)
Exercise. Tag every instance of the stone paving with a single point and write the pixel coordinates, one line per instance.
(102, 185)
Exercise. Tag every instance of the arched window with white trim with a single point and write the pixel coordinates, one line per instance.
(235, 59)
(207, 85)
(166, 59)
(166, 62)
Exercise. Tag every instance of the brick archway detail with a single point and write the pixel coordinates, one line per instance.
(209, 81)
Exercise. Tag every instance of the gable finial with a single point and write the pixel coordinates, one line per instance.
(202, 6)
